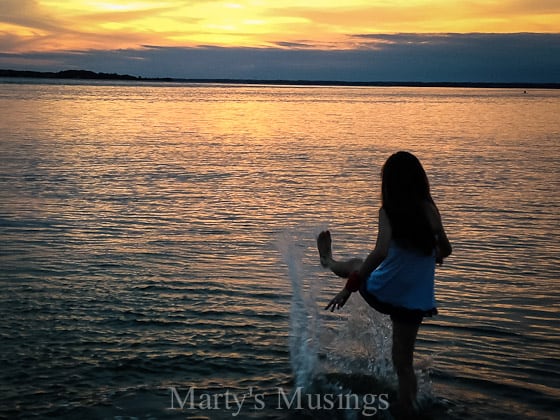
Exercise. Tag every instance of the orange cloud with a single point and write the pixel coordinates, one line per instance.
(33, 25)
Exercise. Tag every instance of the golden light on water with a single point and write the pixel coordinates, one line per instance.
(164, 225)
(58, 25)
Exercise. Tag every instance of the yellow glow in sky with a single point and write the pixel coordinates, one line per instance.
(47, 25)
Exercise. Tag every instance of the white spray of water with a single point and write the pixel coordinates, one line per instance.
(358, 340)
(334, 350)
(304, 317)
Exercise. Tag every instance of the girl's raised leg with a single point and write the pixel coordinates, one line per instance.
(340, 268)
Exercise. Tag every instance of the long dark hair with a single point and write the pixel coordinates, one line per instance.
(405, 190)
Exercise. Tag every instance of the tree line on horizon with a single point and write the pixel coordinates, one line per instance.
(91, 75)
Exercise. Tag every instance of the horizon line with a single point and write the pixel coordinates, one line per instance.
(75, 74)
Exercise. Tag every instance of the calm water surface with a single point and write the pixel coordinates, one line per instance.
(159, 237)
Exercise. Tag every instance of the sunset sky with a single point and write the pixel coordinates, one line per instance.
(423, 40)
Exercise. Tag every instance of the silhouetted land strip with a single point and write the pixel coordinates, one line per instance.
(66, 74)
(90, 75)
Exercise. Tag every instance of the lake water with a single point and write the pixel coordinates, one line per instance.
(158, 250)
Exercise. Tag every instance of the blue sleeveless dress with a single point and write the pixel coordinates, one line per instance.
(402, 285)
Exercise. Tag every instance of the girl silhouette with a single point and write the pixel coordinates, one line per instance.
(397, 277)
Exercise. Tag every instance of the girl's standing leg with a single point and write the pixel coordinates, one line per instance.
(340, 268)
(404, 337)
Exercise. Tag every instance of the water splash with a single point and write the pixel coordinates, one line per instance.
(345, 353)
(356, 341)
(304, 317)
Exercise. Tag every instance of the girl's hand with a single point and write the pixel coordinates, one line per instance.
(339, 300)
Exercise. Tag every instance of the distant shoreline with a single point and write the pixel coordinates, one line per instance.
(90, 75)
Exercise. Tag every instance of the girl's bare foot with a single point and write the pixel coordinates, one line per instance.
(324, 246)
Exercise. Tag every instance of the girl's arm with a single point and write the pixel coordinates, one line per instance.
(371, 262)
(381, 246)
(376, 256)
(443, 246)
